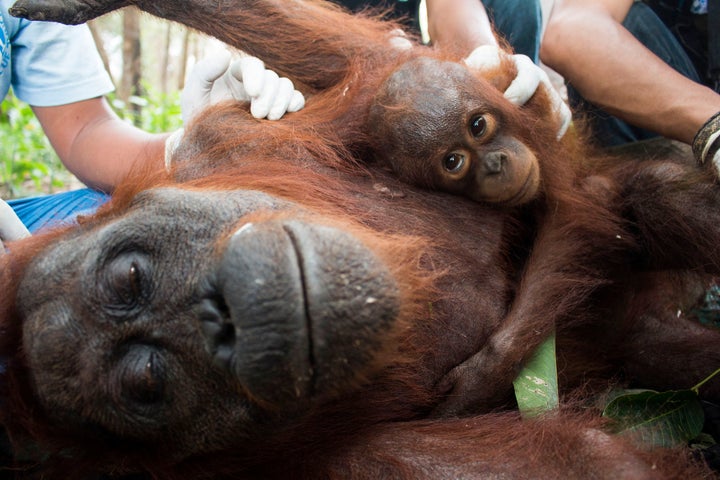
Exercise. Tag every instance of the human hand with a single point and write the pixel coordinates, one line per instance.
(217, 78)
(529, 77)
(11, 228)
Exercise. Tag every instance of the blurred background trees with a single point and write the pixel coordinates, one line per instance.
(147, 59)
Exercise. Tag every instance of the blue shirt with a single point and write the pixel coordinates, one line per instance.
(49, 64)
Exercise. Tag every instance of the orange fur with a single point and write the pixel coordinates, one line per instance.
(462, 268)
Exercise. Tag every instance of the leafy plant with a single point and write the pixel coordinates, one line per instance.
(653, 419)
(28, 161)
(158, 112)
(536, 386)
(657, 419)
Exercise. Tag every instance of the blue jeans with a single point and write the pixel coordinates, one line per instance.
(59, 209)
(519, 22)
(647, 27)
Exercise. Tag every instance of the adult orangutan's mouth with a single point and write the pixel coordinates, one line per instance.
(299, 299)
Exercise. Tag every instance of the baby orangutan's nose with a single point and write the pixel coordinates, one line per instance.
(495, 162)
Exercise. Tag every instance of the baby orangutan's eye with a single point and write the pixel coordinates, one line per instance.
(454, 162)
(478, 126)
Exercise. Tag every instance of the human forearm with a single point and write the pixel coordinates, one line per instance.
(104, 154)
(620, 74)
(460, 24)
(95, 145)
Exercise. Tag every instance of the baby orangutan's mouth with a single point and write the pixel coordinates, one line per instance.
(528, 190)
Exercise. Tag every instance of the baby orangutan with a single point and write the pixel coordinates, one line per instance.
(439, 127)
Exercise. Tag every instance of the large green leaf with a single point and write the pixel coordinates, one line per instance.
(536, 387)
(657, 419)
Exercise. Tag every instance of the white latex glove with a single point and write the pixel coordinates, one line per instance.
(216, 78)
(399, 40)
(529, 77)
(11, 228)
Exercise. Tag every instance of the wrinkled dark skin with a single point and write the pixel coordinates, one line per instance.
(542, 298)
(288, 297)
(205, 321)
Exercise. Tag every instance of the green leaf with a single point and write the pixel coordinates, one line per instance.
(658, 419)
(536, 387)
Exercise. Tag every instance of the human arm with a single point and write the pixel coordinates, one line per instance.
(464, 25)
(56, 70)
(460, 24)
(101, 149)
(619, 74)
(95, 144)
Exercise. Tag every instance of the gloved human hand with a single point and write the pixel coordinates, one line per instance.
(399, 40)
(218, 78)
(11, 228)
(529, 77)
(245, 79)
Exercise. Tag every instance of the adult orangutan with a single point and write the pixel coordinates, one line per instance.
(358, 62)
(281, 308)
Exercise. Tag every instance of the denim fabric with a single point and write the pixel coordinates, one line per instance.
(519, 22)
(58, 209)
(406, 10)
(647, 27)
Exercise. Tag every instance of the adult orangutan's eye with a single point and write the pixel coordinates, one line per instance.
(478, 126)
(126, 281)
(143, 375)
(454, 162)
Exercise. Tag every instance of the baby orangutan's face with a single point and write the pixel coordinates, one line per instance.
(440, 126)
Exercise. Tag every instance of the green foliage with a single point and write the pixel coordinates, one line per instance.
(29, 165)
(28, 160)
(657, 419)
(154, 112)
(652, 419)
(536, 387)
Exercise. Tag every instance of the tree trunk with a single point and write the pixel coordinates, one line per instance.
(101, 48)
(165, 62)
(184, 59)
(132, 64)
